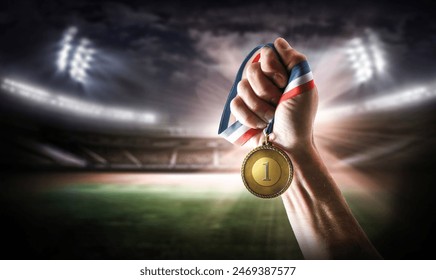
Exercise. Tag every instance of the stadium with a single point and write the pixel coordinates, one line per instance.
(109, 117)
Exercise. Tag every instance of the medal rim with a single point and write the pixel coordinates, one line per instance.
(283, 154)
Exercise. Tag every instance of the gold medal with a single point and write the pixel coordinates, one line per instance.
(267, 171)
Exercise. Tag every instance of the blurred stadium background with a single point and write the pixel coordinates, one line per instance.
(109, 114)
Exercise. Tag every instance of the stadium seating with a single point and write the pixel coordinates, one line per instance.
(85, 150)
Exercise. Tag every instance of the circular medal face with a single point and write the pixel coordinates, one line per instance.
(267, 171)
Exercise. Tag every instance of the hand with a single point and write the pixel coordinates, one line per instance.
(319, 215)
(259, 93)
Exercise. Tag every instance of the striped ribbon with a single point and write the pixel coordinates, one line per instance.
(300, 80)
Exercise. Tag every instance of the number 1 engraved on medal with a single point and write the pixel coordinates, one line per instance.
(266, 171)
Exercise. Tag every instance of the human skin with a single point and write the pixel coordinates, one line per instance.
(321, 219)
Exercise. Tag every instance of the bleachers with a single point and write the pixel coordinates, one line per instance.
(88, 150)
(113, 156)
(232, 158)
(195, 157)
(152, 157)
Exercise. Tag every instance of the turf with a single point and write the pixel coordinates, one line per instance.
(116, 221)
(146, 222)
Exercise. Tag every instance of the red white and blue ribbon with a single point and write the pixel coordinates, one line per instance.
(300, 80)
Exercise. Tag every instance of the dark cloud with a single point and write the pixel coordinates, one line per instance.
(167, 54)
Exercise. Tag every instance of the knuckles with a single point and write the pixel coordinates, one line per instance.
(294, 57)
(257, 82)
(298, 57)
(244, 91)
(266, 91)
(268, 56)
(257, 106)
(243, 87)
(235, 105)
(249, 120)
(253, 69)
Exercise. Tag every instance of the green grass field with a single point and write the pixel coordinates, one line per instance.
(137, 220)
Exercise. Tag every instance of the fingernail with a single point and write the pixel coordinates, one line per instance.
(282, 44)
(269, 116)
(275, 101)
(261, 125)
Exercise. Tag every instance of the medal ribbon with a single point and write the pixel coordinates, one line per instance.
(300, 80)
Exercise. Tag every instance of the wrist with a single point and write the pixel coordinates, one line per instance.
(300, 151)
(303, 156)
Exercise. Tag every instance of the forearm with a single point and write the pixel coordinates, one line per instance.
(319, 215)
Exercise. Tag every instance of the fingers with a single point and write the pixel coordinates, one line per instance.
(249, 108)
(290, 57)
(258, 106)
(272, 67)
(254, 106)
(264, 88)
(244, 115)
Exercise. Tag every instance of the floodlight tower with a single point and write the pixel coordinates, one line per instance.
(360, 62)
(66, 47)
(80, 62)
(377, 53)
(75, 56)
(366, 57)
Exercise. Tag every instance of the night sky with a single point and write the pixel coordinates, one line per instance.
(178, 58)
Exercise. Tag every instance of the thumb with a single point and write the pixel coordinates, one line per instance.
(290, 57)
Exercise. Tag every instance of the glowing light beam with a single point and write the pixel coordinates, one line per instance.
(396, 100)
(75, 105)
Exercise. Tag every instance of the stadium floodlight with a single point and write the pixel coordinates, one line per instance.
(360, 62)
(66, 46)
(377, 54)
(80, 61)
(75, 57)
(81, 107)
(366, 57)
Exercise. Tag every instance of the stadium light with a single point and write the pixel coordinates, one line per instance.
(381, 103)
(74, 105)
(75, 58)
(360, 62)
(366, 57)
(66, 46)
(81, 59)
(377, 53)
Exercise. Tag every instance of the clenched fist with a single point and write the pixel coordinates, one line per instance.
(257, 102)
